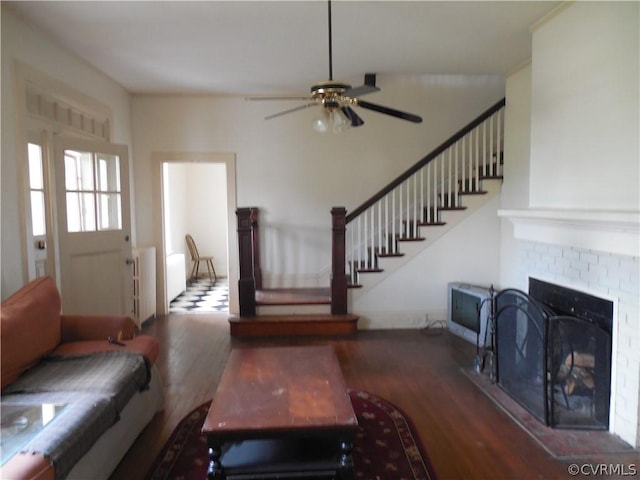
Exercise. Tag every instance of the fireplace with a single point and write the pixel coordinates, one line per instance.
(553, 353)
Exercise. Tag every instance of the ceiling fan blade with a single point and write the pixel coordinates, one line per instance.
(361, 90)
(291, 110)
(300, 98)
(352, 116)
(390, 111)
(368, 87)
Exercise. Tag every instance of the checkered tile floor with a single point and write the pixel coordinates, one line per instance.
(203, 296)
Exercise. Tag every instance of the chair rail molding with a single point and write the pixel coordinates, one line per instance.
(611, 231)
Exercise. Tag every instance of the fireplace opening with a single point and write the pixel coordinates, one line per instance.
(553, 353)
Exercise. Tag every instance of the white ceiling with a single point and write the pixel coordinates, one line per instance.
(269, 47)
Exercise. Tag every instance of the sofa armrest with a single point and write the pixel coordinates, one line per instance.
(143, 344)
(96, 327)
(24, 466)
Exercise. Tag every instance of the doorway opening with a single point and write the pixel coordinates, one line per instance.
(197, 197)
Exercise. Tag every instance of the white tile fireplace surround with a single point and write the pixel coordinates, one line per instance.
(596, 253)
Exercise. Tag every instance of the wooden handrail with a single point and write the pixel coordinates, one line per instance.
(448, 143)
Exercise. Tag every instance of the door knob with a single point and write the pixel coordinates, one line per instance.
(129, 261)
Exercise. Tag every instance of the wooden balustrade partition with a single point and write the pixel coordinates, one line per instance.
(248, 253)
(338, 275)
(255, 239)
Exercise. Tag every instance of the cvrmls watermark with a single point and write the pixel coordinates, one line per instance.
(603, 469)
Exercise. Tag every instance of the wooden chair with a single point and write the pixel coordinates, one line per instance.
(196, 259)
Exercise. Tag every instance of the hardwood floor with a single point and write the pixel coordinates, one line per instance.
(464, 434)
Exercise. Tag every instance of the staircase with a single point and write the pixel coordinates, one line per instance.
(378, 237)
(371, 263)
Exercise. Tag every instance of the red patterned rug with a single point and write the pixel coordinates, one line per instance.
(387, 446)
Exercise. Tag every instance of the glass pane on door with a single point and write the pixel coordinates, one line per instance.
(92, 182)
(37, 213)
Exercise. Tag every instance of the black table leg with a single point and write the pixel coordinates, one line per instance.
(215, 471)
(346, 470)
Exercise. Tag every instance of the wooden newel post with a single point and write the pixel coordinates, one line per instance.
(338, 275)
(255, 238)
(246, 282)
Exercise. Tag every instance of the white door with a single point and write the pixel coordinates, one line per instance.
(94, 227)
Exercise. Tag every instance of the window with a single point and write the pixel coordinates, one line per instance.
(92, 183)
(36, 189)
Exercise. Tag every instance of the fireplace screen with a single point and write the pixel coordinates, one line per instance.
(580, 366)
(521, 325)
(558, 367)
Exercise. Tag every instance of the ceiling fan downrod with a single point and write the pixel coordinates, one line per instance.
(330, 44)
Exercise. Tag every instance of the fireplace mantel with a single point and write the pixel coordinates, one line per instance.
(615, 232)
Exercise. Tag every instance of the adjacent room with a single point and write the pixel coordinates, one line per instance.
(320, 239)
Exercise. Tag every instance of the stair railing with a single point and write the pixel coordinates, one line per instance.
(417, 196)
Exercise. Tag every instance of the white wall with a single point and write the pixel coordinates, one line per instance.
(585, 97)
(175, 209)
(294, 175)
(207, 211)
(517, 148)
(32, 48)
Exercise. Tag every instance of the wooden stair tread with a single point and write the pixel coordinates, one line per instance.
(288, 318)
(370, 270)
(293, 325)
(472, 192)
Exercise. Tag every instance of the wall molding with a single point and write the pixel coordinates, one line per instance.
(606, 231)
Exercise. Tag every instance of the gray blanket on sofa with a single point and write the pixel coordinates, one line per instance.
(95, 388)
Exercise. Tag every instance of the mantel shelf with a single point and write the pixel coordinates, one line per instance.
(602, 230)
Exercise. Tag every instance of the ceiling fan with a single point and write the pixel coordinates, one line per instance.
(336, 99)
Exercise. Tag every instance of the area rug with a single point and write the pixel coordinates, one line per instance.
(386, 447)
(559, 443)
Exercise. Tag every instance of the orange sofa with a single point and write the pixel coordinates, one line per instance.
(33, 328)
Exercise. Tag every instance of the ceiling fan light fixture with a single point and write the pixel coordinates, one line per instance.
(338, 121)
(320, 123)
(331, 119)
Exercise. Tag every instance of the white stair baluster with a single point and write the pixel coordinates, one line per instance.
(372, 248)
(360, 257)
(453, 150)
(476, 168)
(393, 221)
(500, 146)
(428, 205)
(491, 144)
(407, 207)
(436, 187)
(415, 205)
(449, 179)
(463, 158)
(386, 223)
(484, 148)
(421, 204)
(442, 184)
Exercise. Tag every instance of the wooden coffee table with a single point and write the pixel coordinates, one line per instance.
(281, 412)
